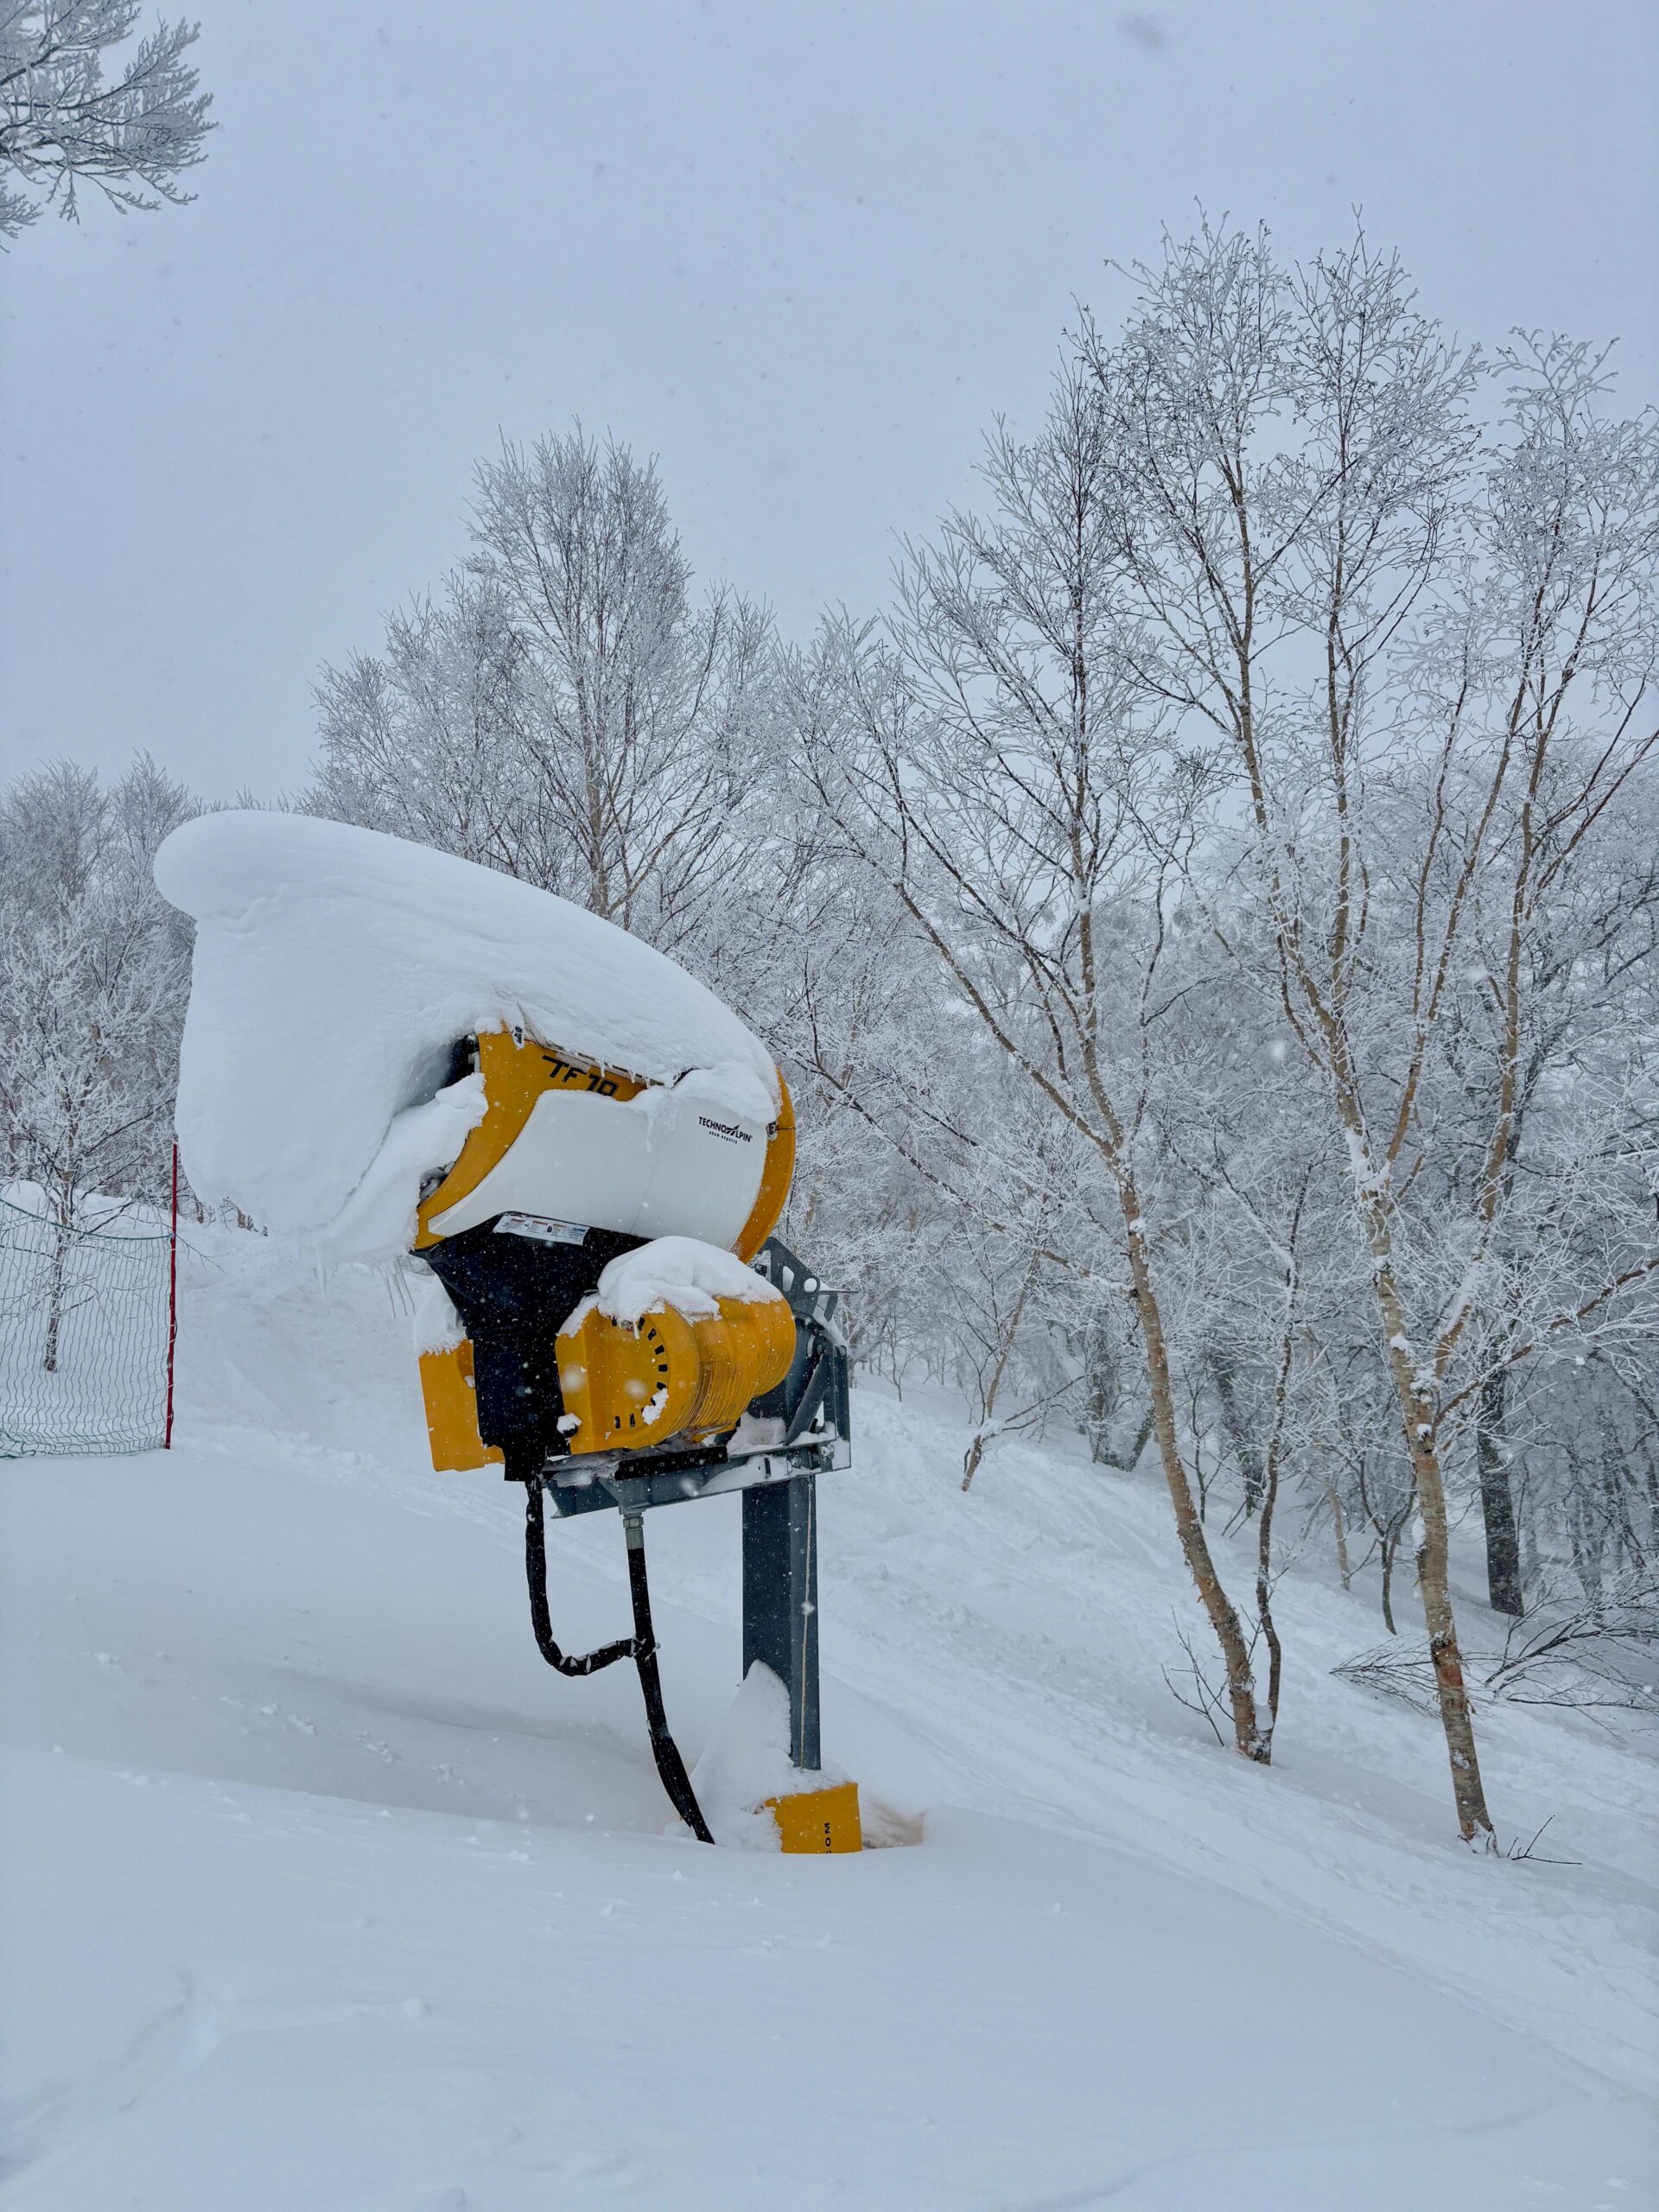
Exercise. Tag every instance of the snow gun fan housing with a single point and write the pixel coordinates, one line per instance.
(573, 1166)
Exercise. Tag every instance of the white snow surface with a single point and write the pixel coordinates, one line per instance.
(320, 1891)
(335, 966)
(682, 1273)
(437, 1325)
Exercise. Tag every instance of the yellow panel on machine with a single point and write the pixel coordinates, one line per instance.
(627, 1387)
(519, 1073)
(450, 1394)
(811, 1822)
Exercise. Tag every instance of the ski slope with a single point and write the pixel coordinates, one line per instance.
(322, 1894)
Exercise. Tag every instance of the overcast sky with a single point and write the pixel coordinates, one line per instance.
(800, 252)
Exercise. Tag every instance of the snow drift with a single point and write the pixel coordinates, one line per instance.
(322, 1892)
(335, 967)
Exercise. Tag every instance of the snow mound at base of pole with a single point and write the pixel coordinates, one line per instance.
(746, 1762)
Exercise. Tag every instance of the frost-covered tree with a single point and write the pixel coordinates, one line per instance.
(423, 740)
(94, 968)
(995, 764)
(1425, 673)
(636, 706)
(564, 710)
(72, 113)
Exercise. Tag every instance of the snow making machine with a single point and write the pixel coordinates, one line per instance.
(389, 1047)
(637, 1336)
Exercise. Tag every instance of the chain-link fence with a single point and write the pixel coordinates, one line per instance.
(86, 1335)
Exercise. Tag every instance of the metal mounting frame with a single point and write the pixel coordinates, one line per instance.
(787, 1439)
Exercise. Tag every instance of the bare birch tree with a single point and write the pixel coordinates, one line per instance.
(634, 709)
(1429, 680)
(991, 765)
(94, 971)
(422, 739)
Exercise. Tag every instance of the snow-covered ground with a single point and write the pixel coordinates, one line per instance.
(322, 1894)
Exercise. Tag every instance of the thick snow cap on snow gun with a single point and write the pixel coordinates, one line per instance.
(336, 969)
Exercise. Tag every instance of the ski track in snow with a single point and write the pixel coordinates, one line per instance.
(321, 1892)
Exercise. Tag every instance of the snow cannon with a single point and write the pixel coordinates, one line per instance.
(573, 1164)
(586, 1155)
(635, 1336)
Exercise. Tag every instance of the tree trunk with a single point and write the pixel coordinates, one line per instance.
(1244, 1451)
(1103, 1403)
(1343, 1567)
(1497, 1499)
(1247, 1735)
(1432, 1574)
(1005, 1351)
(54, 1296)
(1264, 1590)
(1391, 1545)
(1100, 1388)
(1434, 1571)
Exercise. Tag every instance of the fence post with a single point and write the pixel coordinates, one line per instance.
(172, 1297)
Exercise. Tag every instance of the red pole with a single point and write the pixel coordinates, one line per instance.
(172, 1299)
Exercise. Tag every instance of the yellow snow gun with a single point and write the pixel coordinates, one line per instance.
(574, 1166)
(567, 1171)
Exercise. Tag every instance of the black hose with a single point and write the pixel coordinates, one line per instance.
(541, 1620)
(670, 1765)
(641, 1647)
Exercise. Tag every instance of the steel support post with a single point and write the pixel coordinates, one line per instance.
(780, 1601)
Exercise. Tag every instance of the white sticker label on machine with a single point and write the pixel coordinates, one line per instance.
(539, 1226)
